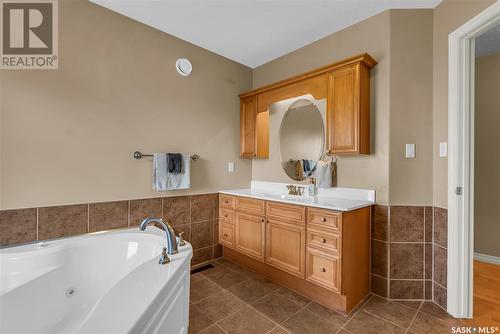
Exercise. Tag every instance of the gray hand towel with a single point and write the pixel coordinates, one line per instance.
(174, 162)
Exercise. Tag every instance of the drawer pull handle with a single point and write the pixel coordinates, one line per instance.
(323, 220)
(322, 270)
(323, 240)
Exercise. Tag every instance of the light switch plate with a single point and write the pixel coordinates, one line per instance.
(230, 167)
(410, 151)
(443, 149)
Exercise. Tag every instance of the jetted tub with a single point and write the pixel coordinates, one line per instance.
(107, 282)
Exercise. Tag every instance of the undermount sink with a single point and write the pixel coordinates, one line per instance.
(292, 198)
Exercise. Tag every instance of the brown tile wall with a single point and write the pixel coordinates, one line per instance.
(195, 215)
(404, 256)
(380, 250)
(440, 254)
(409, 244)
(406, 252)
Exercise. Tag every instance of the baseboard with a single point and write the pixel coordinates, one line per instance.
(487, 258)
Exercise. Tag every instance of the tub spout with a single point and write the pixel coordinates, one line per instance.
(169, 232)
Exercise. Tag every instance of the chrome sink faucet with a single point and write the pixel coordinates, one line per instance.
(169, 232)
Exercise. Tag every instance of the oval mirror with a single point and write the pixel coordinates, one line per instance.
(302, 139)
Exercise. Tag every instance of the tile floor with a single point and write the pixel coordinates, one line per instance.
(231, 299)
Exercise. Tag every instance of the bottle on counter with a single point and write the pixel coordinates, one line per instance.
(312, 187)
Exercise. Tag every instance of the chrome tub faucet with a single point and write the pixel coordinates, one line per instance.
(169, 232)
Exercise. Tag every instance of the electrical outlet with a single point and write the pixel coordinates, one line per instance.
(230, 167)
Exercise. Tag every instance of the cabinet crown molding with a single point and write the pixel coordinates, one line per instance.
(364, 58)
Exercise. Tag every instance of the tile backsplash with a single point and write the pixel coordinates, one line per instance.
(194, 215)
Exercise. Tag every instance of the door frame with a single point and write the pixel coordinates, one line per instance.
(461, 160)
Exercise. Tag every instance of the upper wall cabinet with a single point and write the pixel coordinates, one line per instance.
(348, 110)
(345, 85)
(254, 129)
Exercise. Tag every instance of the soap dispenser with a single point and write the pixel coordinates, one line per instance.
(313, 188)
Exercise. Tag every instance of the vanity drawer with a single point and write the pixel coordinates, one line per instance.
(226, 201)
(324, 239)
(324, 218)
(250, 205)
(226, 215)
(226, 234)
(295, 213)
(323, 269)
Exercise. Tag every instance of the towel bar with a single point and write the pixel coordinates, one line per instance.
(139, 155)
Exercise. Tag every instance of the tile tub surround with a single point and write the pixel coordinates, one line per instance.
(231, 299)
(194, 215)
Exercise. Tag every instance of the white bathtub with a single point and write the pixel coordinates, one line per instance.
(107, 282)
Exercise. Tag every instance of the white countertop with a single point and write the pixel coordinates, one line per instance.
(339, 199)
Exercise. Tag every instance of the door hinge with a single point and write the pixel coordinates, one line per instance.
(459, 190)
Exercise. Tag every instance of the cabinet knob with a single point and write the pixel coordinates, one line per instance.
(225, 234)
(262, 220)
(322, 270)
(329, 151)
(254, 154)
(225, 215)
(226, 201)
(323, 240)
(323, 220)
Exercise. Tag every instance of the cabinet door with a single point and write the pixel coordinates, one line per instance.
(248, 120)
(249, 234)
(343, 111)
(285, 246)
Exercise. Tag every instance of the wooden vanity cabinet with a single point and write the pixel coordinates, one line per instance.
(322, 254)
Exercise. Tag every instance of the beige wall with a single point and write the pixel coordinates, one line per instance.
(372, 36)
(448, 16)
(67, 135)
(411, 107)
(487, 156)
(401, 41)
